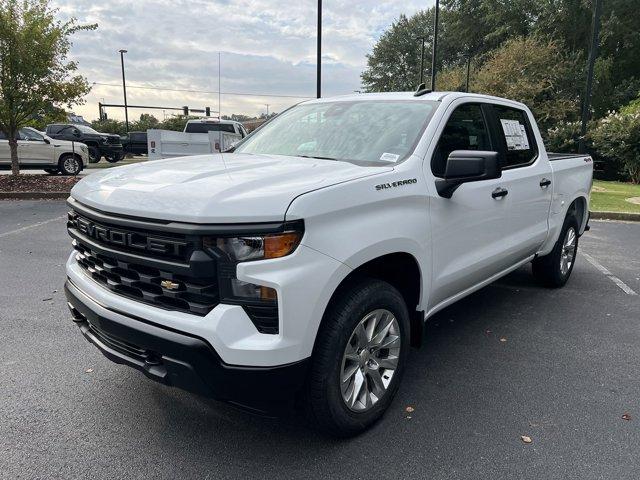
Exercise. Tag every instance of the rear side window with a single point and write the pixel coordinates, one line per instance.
(519, 143)
(209, 127)
(466, 129)
(138, 137)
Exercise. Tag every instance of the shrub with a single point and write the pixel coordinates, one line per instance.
(617, 138)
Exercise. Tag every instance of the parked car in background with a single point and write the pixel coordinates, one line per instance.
(200, 136)
(135, 143)
(37, 151)
(100, 145)
(307, 261)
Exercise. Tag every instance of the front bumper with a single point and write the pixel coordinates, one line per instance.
(181, 360)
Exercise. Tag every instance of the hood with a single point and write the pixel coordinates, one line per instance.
(220, 188)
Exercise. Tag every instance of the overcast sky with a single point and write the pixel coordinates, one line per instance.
(268, 47)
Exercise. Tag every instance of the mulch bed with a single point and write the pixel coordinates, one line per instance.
(37, 183)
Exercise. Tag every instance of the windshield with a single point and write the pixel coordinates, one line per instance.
(85, 129)
(370, 132)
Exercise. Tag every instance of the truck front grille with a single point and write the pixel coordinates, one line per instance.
(148, 284)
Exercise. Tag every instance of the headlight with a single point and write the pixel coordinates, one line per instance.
(258, 247)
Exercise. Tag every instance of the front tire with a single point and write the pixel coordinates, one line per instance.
(553, 270)
(359, 358)
(69, 165)
(94, 154)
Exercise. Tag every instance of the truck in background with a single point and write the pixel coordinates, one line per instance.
(199, 137)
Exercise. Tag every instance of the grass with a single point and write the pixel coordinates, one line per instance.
(126, 161)
(612, 197)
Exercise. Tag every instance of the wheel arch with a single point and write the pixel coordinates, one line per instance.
(71, 154)
(400, 269)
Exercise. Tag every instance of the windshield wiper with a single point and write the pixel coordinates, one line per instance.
(319, 158)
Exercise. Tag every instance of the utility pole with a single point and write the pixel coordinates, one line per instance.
(422, 62)
(319, 52)
(124, 89)
(593, 54)
(468, 71)
(435, 47)
(267, 110)
(219, 88)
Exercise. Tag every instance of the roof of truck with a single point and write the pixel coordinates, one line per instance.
(431, 96)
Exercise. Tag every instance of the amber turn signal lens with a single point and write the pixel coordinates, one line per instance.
(276, 246)
(267, 293)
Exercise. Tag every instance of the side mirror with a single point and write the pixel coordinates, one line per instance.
(46, 140)
(465, 166)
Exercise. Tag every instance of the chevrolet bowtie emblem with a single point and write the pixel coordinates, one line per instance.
(169, 285)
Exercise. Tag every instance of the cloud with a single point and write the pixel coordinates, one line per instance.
(267, 47)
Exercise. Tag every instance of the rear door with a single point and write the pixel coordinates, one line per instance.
(526, 174)
(467, 229)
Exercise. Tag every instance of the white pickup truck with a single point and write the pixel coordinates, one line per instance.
(305, 263)
(200, 136)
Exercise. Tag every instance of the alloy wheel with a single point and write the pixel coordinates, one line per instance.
(370, 360)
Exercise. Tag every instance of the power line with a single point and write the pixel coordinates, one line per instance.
(200, 91)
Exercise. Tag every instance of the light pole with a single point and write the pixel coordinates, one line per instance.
(267, 110)
(124, 89)
(422, 62)
(435, 47)
(319, 52)
(593, 54)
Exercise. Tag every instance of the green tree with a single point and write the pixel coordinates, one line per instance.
(394, 64)
(536, 72)
(109, 125)
(35, 73)
(144, 123)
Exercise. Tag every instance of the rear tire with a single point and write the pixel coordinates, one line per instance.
(357, 366)
(69, 165)
(51, 171)
(116, 157)
(553, 270)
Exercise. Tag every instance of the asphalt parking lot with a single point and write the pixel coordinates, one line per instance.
(514, 359)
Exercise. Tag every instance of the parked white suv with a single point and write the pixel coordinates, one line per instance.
(307, 261)
(37, 151)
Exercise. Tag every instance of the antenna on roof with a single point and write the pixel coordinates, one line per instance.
(422, 90)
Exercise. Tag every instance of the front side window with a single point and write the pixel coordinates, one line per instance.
(520, 145)
(364, 132)
(31, 135)
(466, 129)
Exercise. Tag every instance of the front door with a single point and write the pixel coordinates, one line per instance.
(33, 150)
(467, 229)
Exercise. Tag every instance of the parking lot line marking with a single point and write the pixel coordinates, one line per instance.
(623, 286)
(28, 227)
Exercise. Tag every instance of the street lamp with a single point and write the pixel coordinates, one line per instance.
(319, 52)
(124, 89)
(593, 54)
(435, 47)
(422, 61)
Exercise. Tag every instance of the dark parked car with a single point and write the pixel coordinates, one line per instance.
(135, 143)
(100, 145)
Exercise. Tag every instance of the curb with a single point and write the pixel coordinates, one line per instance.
(627, 216)
(34, 195)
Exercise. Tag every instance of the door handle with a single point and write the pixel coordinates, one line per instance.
(499, 192)
(545, 182)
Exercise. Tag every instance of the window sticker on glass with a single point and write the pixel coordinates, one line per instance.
(516, 134)
(389, 157)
